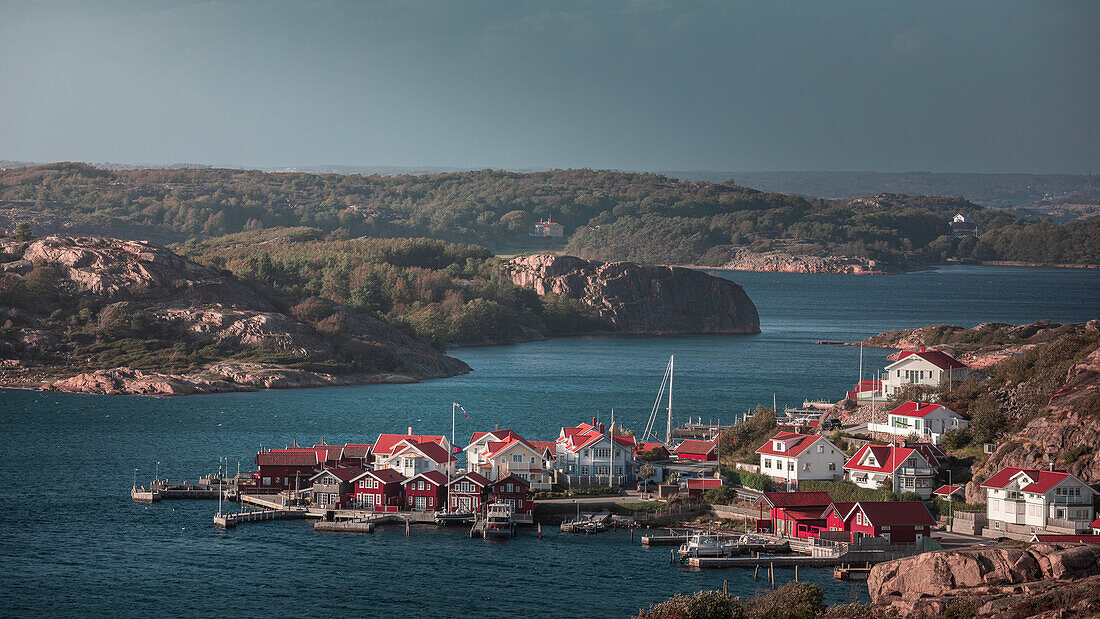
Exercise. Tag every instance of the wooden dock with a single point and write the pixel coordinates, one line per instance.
(348, 526)
(764, 561)
(231, 520)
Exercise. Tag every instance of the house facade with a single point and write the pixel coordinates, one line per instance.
(333, 488)
(921, 367)
(702, 451)
(426, 491)
(585, 456)
(468, 492)
(411, 459)
(898, 522)
(788, 457)
(793, 514)
(1021, 502)
(379, 490)
(514, 491)
(286, 469)
(902, 469)
(519, 458)
(927, 421)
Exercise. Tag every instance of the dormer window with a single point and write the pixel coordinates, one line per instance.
(778, 446)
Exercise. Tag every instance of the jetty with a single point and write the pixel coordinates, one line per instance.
(231, 520)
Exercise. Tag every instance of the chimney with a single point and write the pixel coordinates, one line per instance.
(410, 431)
(922, 347)
(593, 422)
(601, 428)
(496, 426)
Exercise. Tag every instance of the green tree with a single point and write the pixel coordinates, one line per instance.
(23, 232)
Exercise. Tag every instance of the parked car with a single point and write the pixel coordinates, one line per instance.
(831, 423)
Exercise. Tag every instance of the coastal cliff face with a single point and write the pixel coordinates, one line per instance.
(783, 262)
(106, 315)
(995, 581)
(641, 299)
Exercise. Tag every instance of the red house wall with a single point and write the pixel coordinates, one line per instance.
(697, 457)
(285, 476)
(477, 499)
(435, 495)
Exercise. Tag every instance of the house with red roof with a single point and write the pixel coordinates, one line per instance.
(514, 491)
(789, 457)
(475, 450)
(1055, 538)
(653, 451)
(333, 487)
(922, 367)
(697, 486)
(902, 469)
(426, 491)
(1095, 526)
(947, 492)
(386, 443)
(898, 522)
(379, 490)
(701, 451)
(413, 458)
(518, 457)
(793, 514)
(865, 391)
(1021, 502)
(925, 420)
(469, 492)
(586, 456)
(287, 469)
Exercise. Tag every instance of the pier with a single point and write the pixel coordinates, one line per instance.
(229, 521)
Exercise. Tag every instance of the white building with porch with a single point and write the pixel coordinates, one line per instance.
(927, 421)
(901, 469)
(586, 457)
(1021, 502)
(922, 367)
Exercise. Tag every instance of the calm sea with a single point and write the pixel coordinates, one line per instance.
(73, 543)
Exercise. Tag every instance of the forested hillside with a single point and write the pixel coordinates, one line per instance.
(606, 215)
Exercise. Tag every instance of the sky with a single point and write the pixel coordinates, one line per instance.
(993, 86)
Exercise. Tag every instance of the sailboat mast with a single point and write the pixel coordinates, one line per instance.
(668, 426)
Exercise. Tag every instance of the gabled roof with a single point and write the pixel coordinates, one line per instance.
(545, 448)
(640, 447)
(495, 448)
(358, 450)
(937, 358)
(842, 509)
(696, 447)
(797, 499)
(287, 457)
(476, 478)
(946, 490)
(1040, 480)
(1095, 524)
(343, 473)
(431, 451)
(386, 476)
(800, 442)
(889, 457)
(1054, 538)
(917, 409)
(386, 442)
(329, 452)
(495, 435)
(895, 513)
(433, 476)
(513, 478)
(705, 484)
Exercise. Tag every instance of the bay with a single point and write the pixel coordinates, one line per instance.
(75, 544)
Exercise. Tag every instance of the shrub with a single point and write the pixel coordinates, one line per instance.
(956, 438)
(1072, 455)
(722, 495)
(794, 600)
(756, 481)
(701, 605)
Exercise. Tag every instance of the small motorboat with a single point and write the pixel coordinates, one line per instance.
(499, 521)
(707, 545)
(445, 518)
(760, 543)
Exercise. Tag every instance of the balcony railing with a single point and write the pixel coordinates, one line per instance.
(917, 471)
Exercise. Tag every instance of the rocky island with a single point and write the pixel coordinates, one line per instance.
(641, 299)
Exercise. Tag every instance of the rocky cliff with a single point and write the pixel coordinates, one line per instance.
(114, 316)
(641, 299)
(995, 581)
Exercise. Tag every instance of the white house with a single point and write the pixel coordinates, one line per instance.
(921, 367)
(904, 469)
(789, 456)
(475, 460)
(410, 459)
(518, 457)
(928, 421)
(1021, 502)
(585, 456)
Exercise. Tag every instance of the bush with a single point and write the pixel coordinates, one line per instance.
(1072, 455)
(756, 481)
(794, 600)
(722, 495)
(701, 605)
(956, 439)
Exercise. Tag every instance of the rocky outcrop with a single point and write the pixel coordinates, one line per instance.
(641, 299)
(992, 581)
(233, 336)
(782, 262)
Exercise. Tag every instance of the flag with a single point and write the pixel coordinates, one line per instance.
(462, 409)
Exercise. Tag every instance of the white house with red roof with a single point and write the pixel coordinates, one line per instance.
(585, 456)
(1021, 502)
(922, 367)
(516, 456)
(790, 457)
(928, 421)
(413, 458)
(902, 469)
(1095, 526)
(386, 443)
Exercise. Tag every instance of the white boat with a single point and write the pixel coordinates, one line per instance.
(499, 521)
(707, 545)
(444, 518)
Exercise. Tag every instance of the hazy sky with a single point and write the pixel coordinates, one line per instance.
(997, 86)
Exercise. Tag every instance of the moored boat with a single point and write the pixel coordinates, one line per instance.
(445, 518)
(707, 545)
(499, 521)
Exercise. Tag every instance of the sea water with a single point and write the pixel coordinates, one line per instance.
(74, 543)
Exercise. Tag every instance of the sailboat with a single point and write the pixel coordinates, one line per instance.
(650, 433)
(447, 515)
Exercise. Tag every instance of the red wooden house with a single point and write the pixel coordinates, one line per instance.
(426, 492)
(286, 469)
(469, 493)
(899, 522)
(380, 490)
(657, 449)
(703, 451)
(696, 487)
(793, 514)
(516, 493)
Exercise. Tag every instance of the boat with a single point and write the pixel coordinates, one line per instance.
(445, 518)
(499, 521)
(707, 545)
(760, 543)
(847, 572)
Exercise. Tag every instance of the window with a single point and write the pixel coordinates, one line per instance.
(767, 463)
(618, 469)
(820, 449)
(603, 452)
(508, 487)
(431, 501)
(584, 470)
(790, 465)
(517, 458)
(805, 466)
(519, 503)
(832, 466)
(603, 470)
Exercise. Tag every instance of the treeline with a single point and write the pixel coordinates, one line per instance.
(606, 215)
(444, 293)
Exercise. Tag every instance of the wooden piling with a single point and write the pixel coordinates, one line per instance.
(408, 528)
(796, 573)
(771, 574)
(726, 587)
(540, 530)
(756, 572)
(672, 557)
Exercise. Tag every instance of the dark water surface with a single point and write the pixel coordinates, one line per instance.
(73, 543)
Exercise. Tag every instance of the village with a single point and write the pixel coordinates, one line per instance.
(817, 493)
